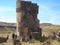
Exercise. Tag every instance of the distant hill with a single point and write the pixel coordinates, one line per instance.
(7, 24)
(48, 28)
(44, 26)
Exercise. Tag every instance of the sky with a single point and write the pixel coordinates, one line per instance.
(49, 11)
(8, 11)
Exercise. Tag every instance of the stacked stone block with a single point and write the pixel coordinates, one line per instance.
(27, 21)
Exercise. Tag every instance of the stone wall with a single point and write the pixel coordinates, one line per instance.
(27, 21)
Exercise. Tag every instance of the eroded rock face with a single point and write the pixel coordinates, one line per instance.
(27, 21)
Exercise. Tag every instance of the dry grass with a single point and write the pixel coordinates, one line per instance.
(55, 42)
(46, 30)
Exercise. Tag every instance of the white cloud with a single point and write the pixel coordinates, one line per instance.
(52, 19)
(47, 10)
(46, 14)
(5, 12)
(40, 21)
(6, 9)
(8, 20)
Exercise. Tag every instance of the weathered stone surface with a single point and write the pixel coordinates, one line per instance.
(27, 21)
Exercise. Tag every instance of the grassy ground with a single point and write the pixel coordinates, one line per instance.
(35, 42)
(46, 31)
(55, 42)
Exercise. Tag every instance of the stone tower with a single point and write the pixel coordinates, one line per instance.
(27, 21)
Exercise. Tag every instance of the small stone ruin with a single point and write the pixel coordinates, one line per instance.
(27, 22)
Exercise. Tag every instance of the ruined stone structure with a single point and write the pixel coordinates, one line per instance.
(27, 21)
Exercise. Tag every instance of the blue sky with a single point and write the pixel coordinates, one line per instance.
(49, 11)
(8, 11)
